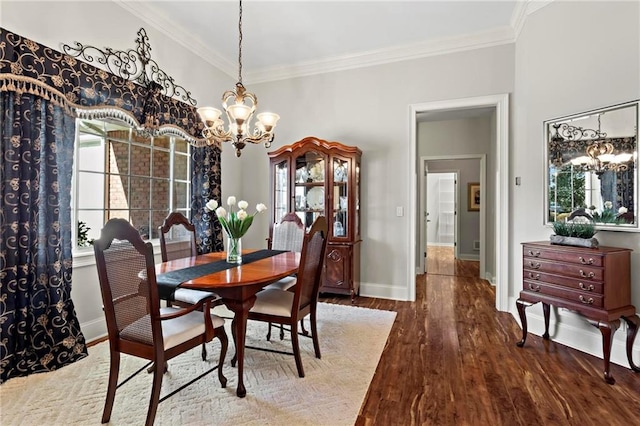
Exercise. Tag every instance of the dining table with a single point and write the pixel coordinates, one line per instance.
(236, 284)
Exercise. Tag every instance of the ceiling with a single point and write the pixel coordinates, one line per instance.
(285, 39)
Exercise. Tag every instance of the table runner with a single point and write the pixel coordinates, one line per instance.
(168, 281)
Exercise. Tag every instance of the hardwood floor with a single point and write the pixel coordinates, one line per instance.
(452, 359)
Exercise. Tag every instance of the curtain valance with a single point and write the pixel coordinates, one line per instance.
(86, 91)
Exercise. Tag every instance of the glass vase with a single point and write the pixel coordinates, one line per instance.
(234, 250)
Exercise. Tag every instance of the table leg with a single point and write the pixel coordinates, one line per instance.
(633, 322)
(239, 328)
(608, 329)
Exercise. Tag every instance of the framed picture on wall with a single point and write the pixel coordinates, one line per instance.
(474, 197)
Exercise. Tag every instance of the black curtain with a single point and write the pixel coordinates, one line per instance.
(205, 185)
(40, 331)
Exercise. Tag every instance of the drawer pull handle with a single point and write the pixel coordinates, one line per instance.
(590, 287)
(588, 301)
(535, 276)
(535, 287)
(589, 275)
(534, 265)
(534, 253)
(586, 262)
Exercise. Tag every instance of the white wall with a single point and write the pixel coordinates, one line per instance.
(564, 66)
(369, 108)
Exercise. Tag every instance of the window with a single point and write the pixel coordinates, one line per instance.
(120, 174)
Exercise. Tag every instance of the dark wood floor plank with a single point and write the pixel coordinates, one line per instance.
(452, 359)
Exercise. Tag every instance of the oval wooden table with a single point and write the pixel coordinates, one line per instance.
(237, 287)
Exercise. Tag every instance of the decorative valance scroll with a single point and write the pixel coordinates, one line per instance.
(90, 92)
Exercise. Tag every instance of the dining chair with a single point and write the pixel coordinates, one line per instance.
(178, 240)
(288, 235)
(288, 307)
(136, 324)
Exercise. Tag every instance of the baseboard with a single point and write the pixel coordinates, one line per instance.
(491, 279)
(93, 330)
(467, 256)
(439, 244)
(574, 331)
(384, 291)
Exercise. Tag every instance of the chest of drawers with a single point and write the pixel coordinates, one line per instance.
(595, 283)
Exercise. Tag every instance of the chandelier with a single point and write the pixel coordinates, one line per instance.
(600, 153)
(239, 106)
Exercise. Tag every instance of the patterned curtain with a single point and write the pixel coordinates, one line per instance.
(205, 185)
(40, 331)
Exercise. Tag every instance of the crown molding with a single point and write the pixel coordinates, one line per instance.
(504, 35)
(435, 47)
(524, 9)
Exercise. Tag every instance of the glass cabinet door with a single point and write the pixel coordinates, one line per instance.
(281, 190)
(309, 194)
(340, 212)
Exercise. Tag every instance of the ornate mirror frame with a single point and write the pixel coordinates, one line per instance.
(591, 167)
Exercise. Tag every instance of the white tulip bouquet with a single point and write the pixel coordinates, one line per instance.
(235, 223)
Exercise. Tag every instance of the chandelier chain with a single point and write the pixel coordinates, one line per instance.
(240, 45)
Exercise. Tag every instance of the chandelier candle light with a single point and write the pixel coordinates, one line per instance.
(239, 106)
(235, 224)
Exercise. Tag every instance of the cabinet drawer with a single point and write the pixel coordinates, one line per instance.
(567, 269)
(577, 297)
(595, 259)
(573, 283)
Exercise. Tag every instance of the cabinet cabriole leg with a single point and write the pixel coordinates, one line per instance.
(546, 308)
(522, 305)
(633, 322)
(608, 329)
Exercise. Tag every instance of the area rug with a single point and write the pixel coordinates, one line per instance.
(331, 393)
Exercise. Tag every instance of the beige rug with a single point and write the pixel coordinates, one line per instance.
(331, 393)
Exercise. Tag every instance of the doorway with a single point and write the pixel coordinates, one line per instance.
(500, 194)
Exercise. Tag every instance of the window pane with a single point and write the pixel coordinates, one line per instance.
(181, 145)
(90, 190)
(118, 157)
(140, 221)
(118, 190)
(140, 193)
(90, 153)
(181, 167)
(158, 217)
(93, 221)
(161, 163)
(140, 139)
(119, 214)
(162, 141)
(140, 160)
(160, 193)
(180, 195)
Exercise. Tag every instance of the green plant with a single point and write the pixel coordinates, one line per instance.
(83, 237)
(574, 229)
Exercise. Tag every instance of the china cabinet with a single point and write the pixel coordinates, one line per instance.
(314, 177)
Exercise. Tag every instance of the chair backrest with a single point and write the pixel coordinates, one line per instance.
(181, 236)
(126, 272)
(311, 261)
(288, 234)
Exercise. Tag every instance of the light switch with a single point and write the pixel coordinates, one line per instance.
(399, 211)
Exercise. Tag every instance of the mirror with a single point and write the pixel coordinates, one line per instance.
(592, 167)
